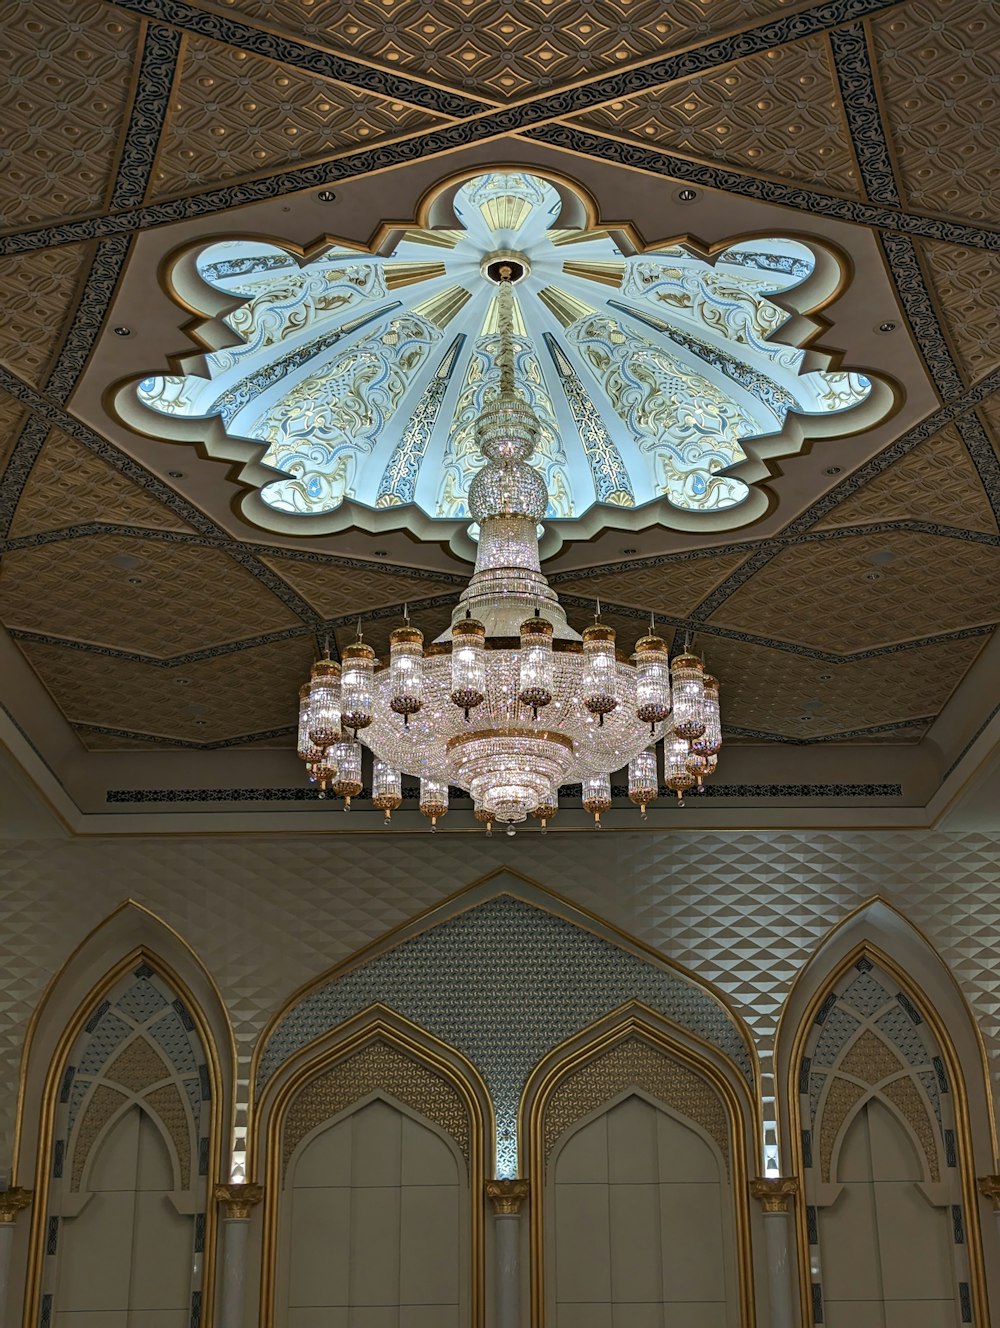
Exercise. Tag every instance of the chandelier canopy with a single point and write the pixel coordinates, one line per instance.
(511, 702)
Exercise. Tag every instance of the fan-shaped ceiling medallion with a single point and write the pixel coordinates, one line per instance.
(348, 381)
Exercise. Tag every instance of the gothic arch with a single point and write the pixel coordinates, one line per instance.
(149, 1034)
(875, 1022)
(376, 1057)
(631, 1055)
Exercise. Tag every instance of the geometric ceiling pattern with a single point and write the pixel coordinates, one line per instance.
(155, 617)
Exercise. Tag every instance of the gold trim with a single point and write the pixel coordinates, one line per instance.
(507, 1196)
(956, 1078)
(469, 1089)
(50, 1094)
(989, 1187)
(555, 1067)
(775, 1194)
(12, 1202)
(236, 1201)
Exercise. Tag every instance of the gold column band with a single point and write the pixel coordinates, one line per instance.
(12, 1202)
(237, 1200)
(775, 1193)
(989, 1186)
(507, 1196)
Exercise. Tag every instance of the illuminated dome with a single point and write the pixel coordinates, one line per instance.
(363, 374)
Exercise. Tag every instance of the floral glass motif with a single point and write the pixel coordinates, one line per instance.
(363, 374)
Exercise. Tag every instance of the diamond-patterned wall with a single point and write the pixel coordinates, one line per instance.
(742, 910)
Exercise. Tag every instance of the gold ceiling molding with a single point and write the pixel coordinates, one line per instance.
(39, 291)
(69, 485)
(868, 590)
(936, 481)
(967, 284)
(230, 694)
(764, 688)
(334, 591)
(64, 92)
(673, 589)
(155, 597)
(777, 113)
(234, 115)
(938, 76)
(503, 51)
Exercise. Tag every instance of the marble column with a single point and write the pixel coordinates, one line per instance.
(775, 1195)
(235, 1204)
(507, 1196)
(12, 1202)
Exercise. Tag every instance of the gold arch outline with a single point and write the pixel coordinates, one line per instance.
(53, 1079)
(418, 1045)
(445, 910)
(956, 1080)
(558, 1064)
(804, 303)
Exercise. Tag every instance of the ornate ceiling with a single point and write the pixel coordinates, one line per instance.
(157, 621)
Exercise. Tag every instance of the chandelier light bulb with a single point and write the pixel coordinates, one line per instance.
(406, 668)
(535, 671)
(643, 784)
(324, 702)
(688, 679)
(346, 783)
(600, 671)
(468, 664)
(356, 686)
(387, 789)
(433, 800)
(652, 663)
(597, 796)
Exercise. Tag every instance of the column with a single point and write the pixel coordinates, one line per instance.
(12, 1202)
(235, 1203)
(775, 1194)
(507, 1196)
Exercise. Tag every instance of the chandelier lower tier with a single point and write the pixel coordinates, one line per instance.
(510, 703)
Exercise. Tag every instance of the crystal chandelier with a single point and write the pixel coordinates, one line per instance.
(510, 703)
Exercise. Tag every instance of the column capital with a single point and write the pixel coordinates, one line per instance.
(12, 1202)
(507, 1196)
(775, 1193)
(237, 1200)
(989, 1186)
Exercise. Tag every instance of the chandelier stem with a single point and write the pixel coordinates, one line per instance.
(505, 324)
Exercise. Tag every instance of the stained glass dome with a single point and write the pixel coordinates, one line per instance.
(361, 374)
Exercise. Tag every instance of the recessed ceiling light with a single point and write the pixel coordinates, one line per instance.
(803, 718)
(183, 682)
(286, 209)
(380, 553)
(873, 576)
(123, 331)
(176, 474)
(327, 196)
(135, 580)
(687, 195)
(886, 327)
(825, 677)
(201, 723)
(630, 550)
(833, 470)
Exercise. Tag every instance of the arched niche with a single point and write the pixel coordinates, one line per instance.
(638, 1140)
(886, 1119)
(124, 1100)
(376, 1136)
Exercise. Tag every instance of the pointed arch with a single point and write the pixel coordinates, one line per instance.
(636, 1054)
(150, 1033)
(876, 1021)
(376, 1057)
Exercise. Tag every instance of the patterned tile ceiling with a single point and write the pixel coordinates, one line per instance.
(157, 619)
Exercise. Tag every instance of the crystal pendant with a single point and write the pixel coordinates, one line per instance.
(536, 664)
(676, 774)
(387, 788)
(406, 671)
(356, 686)
(324, 702)
(433, 800)
(468, 664)
(597, 796)
(689, 696)
(709, 742)
(347, 782)
(600, 675)
(643, 784)
(652, 664)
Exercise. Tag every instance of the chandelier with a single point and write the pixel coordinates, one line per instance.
(510, 703)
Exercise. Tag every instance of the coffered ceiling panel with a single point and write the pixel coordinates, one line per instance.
(503, 50)
(967, 284)
(39, 292)
(69, 485)
(212, 700)
(867, 590)
(156, 598)
(12, 415)
(774, 691)
(673, 588)
(990, 412)
(62, 97)
(334, 591)
(937, 481)
(939, 68)
(233, 114)
(778, 113)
